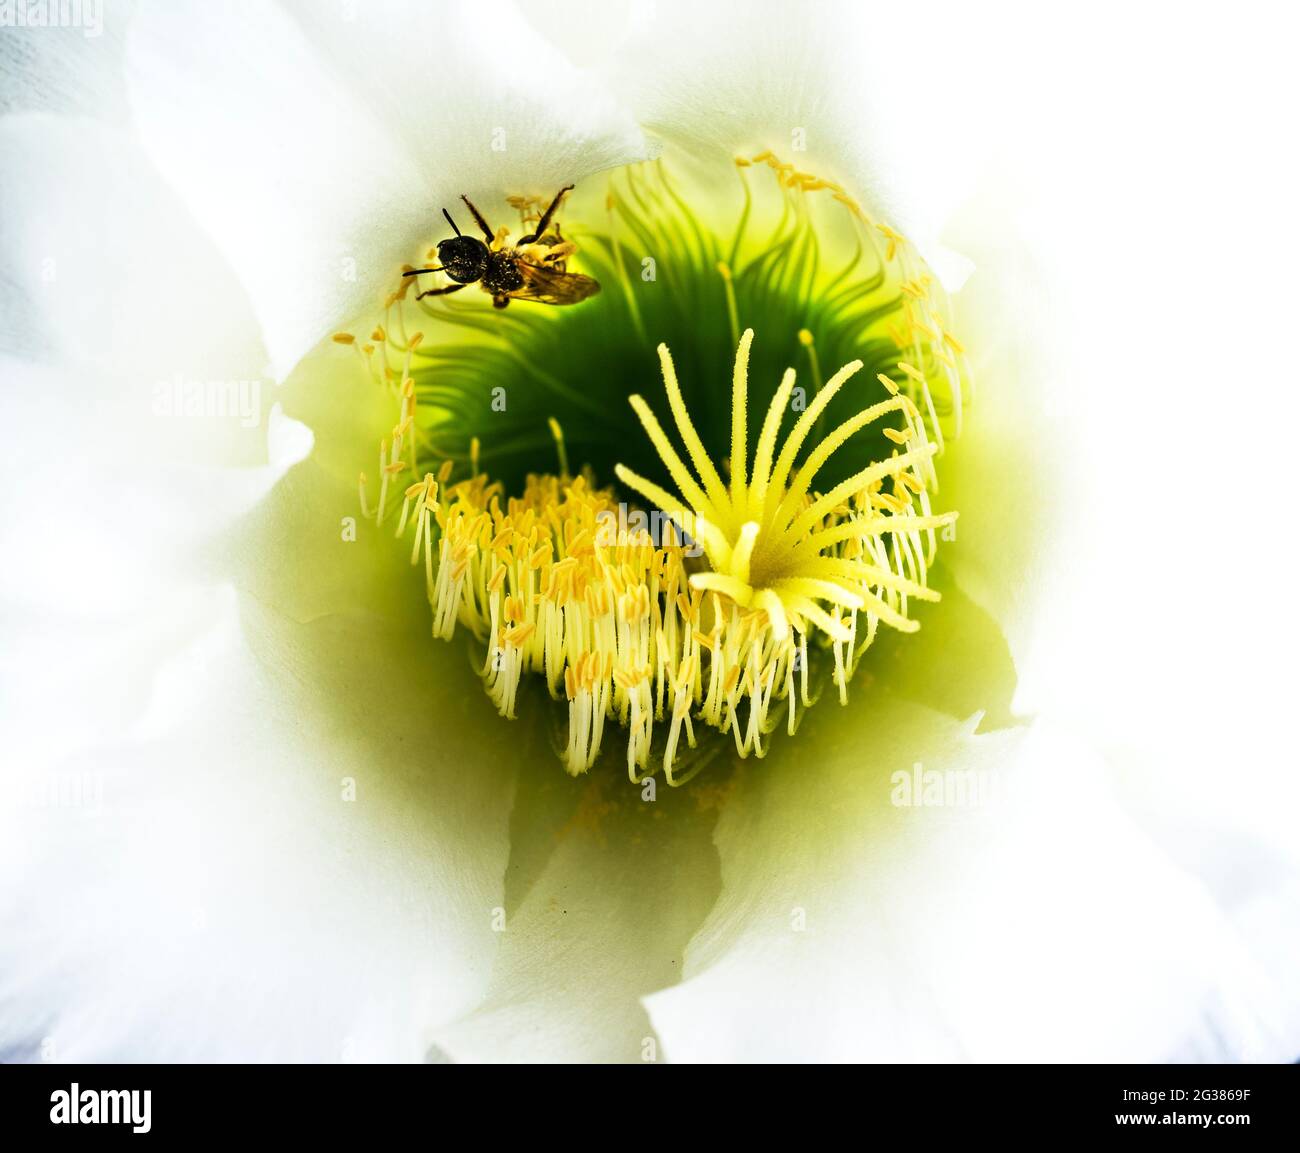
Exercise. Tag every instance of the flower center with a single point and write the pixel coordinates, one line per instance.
(655, 607)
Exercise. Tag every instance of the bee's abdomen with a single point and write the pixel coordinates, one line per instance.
(502, 276)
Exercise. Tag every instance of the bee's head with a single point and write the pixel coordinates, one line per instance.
(463, 258)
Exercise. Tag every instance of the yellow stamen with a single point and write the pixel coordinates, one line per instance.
(557, 434)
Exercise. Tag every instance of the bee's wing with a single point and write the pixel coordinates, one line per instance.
(551, 286)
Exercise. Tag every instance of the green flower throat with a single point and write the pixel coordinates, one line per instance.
(693, 579)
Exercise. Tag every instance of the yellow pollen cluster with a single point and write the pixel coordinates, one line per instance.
(555, 585)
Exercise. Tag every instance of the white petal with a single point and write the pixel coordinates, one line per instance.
(118, 531)
(319, 162)
(1035, 925)
(476, 93)
(201, 886)
(861, 93)
(120, 280)
(603, 892)
(73, 68)
(145, 394)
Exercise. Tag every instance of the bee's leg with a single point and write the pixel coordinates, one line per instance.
(546, 216)
(500, 301)
(440, 291)
(488, 234)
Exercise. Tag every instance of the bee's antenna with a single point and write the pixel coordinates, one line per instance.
(451, 222)
(417, 271)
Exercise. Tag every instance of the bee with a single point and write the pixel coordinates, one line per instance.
(534, 269)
